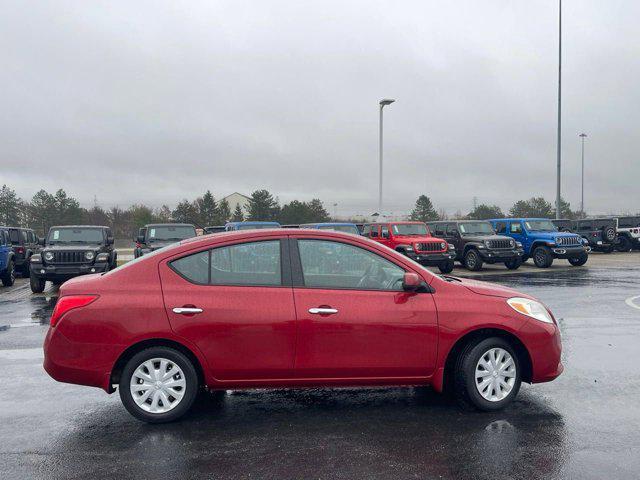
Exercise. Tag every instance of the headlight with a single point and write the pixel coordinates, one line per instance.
(513, 244)
(102, 257)
(36, 258)
(487, 243)
(556, 240)
(89, 255)
(443, 245)
(530, 308)
(48, 256)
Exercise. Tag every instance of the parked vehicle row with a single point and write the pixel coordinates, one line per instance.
(605, 234)
(210, 312)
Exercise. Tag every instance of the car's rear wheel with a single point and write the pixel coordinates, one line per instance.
(9, 276)
(472, 260)
(158, 385)
(513, 264)
(37, 284)
(624, 244)
(446, 266)
(579, 261)
(542, 257)
(487, 374)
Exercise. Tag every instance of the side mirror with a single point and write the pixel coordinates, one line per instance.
(140, 239)
(411, 282)
(41, 242)
(109, 240)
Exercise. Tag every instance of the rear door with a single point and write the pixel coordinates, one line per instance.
(355, 321)
(516, 231)
(235, 302)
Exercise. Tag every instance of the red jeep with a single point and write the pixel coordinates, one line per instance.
(414, 240)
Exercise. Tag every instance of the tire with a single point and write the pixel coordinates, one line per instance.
(186, 376)
(608, 249)
(542, 257)
(9, 275)
(468, 375)
(513, 264)
(579, 261)
(37, 284)
(624, 244)
(608, 234)
(472, 260)
(446, 266)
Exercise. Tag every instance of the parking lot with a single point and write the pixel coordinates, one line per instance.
(583, 425)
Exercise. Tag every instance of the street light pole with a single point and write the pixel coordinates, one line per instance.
(582, 137)
(559, 109)
(383, 103)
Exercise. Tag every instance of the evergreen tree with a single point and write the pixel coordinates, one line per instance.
(223, 213)
(317, 212)
(10, 207)
(262, 207)
(207, 209)
(41, 212)
(423, 211)
(484, 212)
(237, 214)
(186, 212)
(534, 207)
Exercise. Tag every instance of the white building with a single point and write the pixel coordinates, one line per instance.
(237, 199)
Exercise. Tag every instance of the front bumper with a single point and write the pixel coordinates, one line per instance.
(60, 272)
(431, 259)
(544, 344)
(569, 252)
(495, 256)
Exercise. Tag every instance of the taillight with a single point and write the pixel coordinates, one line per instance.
(19, 249)
(68, 303)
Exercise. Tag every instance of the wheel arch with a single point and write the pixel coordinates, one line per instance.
(524, 358)
(132, 350)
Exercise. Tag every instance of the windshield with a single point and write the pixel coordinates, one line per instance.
(540, 226)
(341, 228)
(400, 229)
(75, 235)
(476, 228)
(170, 232)
(259, 226)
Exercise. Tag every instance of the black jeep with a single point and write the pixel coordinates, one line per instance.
(599, 232)
(160, 235)
(72, 250)
(24, 243)
(476, 243)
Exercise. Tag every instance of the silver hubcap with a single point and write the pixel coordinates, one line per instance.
(158, 385)
(495, 374)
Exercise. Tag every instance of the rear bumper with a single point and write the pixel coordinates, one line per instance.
(57, 272)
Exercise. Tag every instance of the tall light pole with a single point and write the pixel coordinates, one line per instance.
(559, 109)
(582, 137)
(383, 103)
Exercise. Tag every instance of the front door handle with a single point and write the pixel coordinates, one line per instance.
(187, 310)
(323, 311)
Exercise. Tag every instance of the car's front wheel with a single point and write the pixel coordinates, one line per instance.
(579, 261)
(513, 264)
(472, 260)
(487, 374)
(446, 266)
(158, 385)
(542, 257)
(37, 284)
(624, 244)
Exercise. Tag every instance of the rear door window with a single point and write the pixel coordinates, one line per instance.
(255, 263)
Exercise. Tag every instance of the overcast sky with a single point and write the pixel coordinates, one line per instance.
(154, 101)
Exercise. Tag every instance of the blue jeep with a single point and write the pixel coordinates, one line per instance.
(7, 265)
(337, 226)
(542, 241)
(250, 225)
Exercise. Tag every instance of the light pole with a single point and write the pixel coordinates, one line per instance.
(383, 102)
(559, 108)
(582, 137)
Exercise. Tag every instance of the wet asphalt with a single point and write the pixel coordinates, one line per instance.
(584, 425)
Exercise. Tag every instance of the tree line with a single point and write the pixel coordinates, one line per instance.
(47, 209)
(536, 207)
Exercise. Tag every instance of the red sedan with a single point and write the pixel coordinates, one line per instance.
(293, 308)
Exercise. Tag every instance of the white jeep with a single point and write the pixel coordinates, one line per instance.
(628, 229)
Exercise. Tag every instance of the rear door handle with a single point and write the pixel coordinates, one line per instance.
(187, 310)
(323, 311)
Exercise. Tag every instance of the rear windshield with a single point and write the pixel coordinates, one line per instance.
(540, 226)
(476, 228)
(170, 233)
(75, 235)
(400, 229)
(341, 228)
(14, 236)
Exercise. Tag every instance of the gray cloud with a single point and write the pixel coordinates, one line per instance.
(156, 101)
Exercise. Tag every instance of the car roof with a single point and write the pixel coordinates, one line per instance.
(169, 225)
(518, 219)
(78, 226)
(253, 223)
(266, 232)
(328, 224)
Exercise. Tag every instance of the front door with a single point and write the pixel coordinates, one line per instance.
(355, 321)
(244, 317)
